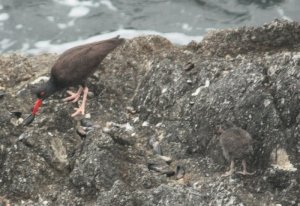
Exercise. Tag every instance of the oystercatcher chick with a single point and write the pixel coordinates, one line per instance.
(236, 144)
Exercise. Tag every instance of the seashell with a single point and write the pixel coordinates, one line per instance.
(86, 122)
(16, 114)
(180, 172)
(189, 66)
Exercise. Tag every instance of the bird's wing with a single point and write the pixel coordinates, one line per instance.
(77, 63)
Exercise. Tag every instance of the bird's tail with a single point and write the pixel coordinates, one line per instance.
(115, 40)
(119, 40)
(109, 44)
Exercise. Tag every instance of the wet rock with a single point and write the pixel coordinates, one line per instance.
(246, 76)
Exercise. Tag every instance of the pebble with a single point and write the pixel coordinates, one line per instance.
(91, 94)
(157, 148)
(80, 131)
(167, 159)
(16, 122)
(106, 129)
(131, 110)
(84, 127)
(2, 94)
(87, 116)
(145, 124)
(161, 169)
(2, 148)
(189, 66)
(23, 136)
(189, 81)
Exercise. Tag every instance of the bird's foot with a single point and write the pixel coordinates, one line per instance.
(79, 111)
(74, 97)
(245, 173)
(228, 173)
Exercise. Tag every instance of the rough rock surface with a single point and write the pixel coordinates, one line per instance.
(176, 96)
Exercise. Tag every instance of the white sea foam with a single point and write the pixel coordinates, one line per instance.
(79, 11)
(63, 26)
(6, 43)
(51, 18)
(79, 4)
(109, 5)
(47, 46)
(19, 26)
(4, 16)
(186, 27)
(25, 46)
(73, 3)
(42, 44)
(282, 13)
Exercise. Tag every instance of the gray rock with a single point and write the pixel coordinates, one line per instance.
(248, 77)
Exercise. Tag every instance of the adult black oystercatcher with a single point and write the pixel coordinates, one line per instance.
(72, 68)
(236, 143)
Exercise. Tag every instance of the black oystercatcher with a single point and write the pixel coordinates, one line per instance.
(72, 68)
(236, 143)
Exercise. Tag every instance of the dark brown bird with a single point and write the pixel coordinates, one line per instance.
(72, 68)
(236, 144)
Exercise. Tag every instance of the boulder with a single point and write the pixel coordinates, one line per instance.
(150, 90)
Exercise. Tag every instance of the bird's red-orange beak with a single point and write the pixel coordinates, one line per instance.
(28, 120)
(36, 106)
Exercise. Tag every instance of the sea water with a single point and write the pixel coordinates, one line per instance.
(33, 26)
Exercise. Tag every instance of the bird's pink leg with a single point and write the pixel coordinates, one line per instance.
(244, 172)
(230, 171)
(74, 97)
(81, 108)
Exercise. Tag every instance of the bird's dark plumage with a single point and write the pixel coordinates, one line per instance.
(73, 67)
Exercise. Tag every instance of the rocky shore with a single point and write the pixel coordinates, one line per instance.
(149, 137)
